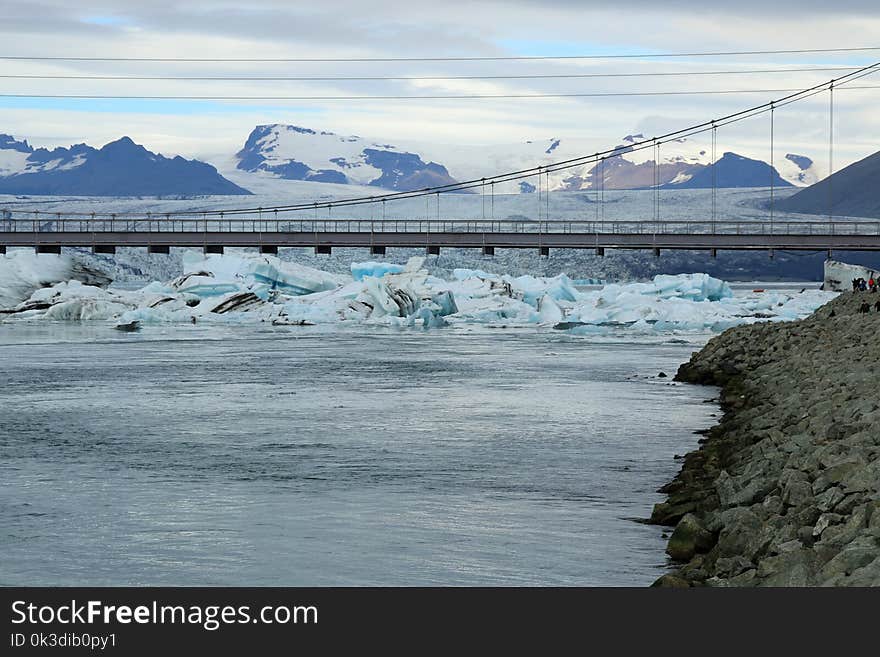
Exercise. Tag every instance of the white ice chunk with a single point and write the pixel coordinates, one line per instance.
(376, 269)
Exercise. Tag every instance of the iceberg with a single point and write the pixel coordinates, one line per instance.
(23, 272)
(375, 269)
(249, 288)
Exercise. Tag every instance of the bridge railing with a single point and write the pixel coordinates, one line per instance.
(168, 223)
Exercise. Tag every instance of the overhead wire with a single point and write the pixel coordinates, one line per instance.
(693, 130)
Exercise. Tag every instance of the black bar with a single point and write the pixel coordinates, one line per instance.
(554, 620)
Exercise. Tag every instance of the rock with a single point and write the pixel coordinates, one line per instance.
(795, 568)
(733, 492)
(671, 581)
(867, 575)
(834, 475)
(829, 499)
(797, 491)
(665, 513)
(788, 482)
(825, 520)
(731, 566)
(688, 538)
(791, 546)
(854, 556)
(736, 536)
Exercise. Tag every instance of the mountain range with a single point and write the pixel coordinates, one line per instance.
(850, 192)
(276, 153)
(120, 168)
(294, 153)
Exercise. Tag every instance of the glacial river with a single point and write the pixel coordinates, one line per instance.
(191, 455)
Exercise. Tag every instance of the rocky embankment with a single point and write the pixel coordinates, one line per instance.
(785, 490)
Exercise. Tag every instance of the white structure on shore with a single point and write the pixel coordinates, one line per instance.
(839, 275)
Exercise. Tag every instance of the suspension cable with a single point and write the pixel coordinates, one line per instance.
(562, 165)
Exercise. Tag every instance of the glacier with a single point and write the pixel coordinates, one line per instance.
(247, 288)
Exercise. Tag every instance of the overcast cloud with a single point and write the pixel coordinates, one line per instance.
(276, 29)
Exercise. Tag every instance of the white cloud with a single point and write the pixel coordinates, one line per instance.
(267, 28)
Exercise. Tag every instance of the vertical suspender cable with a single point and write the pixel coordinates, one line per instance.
(714, 176)
(539, 196)
(493, 200)
(772, 163)
(831, 152)
(547, 198)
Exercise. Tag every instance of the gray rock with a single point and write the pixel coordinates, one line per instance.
(736, 538)
(825, 520)
(795, 568)
(829, 499)
(856, 555)
(728, 567)
(688, 538)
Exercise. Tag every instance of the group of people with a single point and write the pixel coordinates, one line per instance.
(870, 285)
(862, 285)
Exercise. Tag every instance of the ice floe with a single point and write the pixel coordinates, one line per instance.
(251, 288)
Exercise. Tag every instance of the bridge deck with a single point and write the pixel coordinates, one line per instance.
(454, 240)
(246, 232)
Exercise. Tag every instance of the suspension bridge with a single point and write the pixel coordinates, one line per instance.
(299, 225)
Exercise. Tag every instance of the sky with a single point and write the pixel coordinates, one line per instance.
(454, 28)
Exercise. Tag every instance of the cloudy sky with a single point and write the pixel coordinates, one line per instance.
(277, 29)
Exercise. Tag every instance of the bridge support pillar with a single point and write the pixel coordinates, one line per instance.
(488, 250)
(544, 251)
(377, 250)
(216, 249)
(268, 250)
(830, 254)
(770, 253)
(107, 249)
(600, 251)
(323, 249)
(656, 252)
(157, 248)
(2, 249)
(714, 252)
(48, 248)
(433, 249)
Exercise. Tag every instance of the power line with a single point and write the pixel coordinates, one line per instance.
(249, 78)
(436, 59)
(690, 131)
(428, 97)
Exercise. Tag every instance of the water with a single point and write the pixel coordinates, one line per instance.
(248, 456)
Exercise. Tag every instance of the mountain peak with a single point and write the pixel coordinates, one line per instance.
(293, 152)
(119, 168)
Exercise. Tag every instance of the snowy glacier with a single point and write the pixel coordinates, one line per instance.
(251, 288)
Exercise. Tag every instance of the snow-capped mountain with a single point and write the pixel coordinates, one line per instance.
(799, 170)
(853, 191)
(295, 153)
(731, 170)
(686, 164)
(120, 168)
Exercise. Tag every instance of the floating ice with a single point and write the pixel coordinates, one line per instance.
(22, 272)
(258, 288)
(376, 269)
(261, 273)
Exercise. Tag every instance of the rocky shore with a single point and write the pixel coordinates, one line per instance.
(785, 490)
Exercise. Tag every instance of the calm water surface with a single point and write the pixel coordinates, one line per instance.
(249, 456)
